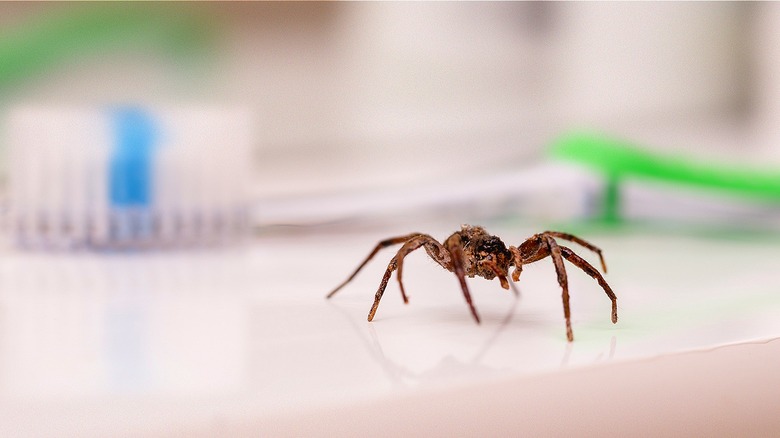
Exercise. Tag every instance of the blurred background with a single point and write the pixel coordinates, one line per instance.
(280, 141)
(350, 98)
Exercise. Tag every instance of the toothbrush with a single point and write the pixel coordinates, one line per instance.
(128, 177)
(736, 193)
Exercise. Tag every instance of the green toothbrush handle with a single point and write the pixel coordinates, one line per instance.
(619, 160)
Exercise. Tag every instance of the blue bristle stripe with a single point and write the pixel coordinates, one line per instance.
(130, 173)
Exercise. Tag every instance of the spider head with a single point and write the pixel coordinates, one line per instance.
(491, 257)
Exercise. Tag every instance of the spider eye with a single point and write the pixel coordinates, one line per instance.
(492, 245)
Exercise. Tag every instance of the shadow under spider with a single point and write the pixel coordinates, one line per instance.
(398, 373)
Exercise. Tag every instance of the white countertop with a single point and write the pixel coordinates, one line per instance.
(243, 340)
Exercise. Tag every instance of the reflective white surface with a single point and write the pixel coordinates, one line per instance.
(151, 343)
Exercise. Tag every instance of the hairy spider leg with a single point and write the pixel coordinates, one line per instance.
(540, 246)
(433, 248)
(501, 278)
(505, 283)
(581, 263)
(455, 246)
(560, 269)
(577, 240)
(383, 244)
(517, 260)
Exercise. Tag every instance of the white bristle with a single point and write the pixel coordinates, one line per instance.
(188, 185)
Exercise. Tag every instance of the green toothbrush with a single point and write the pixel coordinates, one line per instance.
(620, 160)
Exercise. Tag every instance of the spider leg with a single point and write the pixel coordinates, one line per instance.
(560, 269)
(501, 277)
(434, 249)
(396, 263)
(383, 244)
(382, 286)
(517, 260)
(455, 247)
(577, 240)
(593, 272)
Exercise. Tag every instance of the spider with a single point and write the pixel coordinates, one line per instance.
(473, 252)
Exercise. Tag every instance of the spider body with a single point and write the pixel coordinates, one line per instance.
(484, 255)
(473, 252)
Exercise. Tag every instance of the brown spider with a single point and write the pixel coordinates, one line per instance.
(472, 251)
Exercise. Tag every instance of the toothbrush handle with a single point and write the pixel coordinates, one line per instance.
(618, 160)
